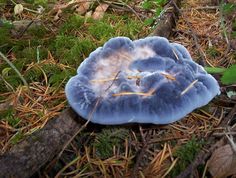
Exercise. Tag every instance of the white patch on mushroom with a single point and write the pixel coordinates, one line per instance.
(143, 52)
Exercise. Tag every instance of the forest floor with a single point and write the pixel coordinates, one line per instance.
(46, 42)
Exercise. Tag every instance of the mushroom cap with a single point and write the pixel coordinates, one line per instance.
(148, 80)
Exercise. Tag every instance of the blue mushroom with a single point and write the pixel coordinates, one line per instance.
(143, 81)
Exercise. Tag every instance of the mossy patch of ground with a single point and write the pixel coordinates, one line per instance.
(50, 52)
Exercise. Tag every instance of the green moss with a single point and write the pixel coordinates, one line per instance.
(37, 32)
(107, 139)
(13, 121)
(101, 31)
(228, 8)
(7, 113)
(72, 50)
(186, 155)
(72, 24)
(60, 79)
(30, 54)
(5, 27)
(130, 28)
(37, 72)
(16, 138)
(12, 80)
(9, 116)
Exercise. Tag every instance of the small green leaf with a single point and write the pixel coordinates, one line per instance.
(215, 70)
(229, 76)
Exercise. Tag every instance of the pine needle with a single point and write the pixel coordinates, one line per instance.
(188, 87)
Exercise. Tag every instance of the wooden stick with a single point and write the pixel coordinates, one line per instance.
(25, 158)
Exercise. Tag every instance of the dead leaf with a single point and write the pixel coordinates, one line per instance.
(222, 162)
(78, 5)
(83, 7)
(18, 9)
(99, 11)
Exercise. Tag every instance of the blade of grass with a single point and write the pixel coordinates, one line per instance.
(14, 68)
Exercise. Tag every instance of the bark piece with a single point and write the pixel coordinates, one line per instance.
(25, 158)
(167, 20)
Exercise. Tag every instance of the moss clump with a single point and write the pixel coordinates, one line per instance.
(5, 27)
(71, 50)
(7, 113)
(186, 155)
(101, 31)
(60, 79)
(36, 73)
(9, 117)
(73, 24)
(16, 138)
(37, 32)
(9, 83)
(107, 139)
(130, 28)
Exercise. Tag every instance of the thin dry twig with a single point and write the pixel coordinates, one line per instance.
(141, 153)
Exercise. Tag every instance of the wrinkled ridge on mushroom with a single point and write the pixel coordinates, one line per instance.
(148, 80)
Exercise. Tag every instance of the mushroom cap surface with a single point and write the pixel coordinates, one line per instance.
(148, 80)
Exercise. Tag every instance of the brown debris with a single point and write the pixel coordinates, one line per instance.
(222, 162)
(100, 11)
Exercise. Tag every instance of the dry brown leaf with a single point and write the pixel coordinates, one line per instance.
(99, 11)
(222, 162)
(83, 7)
(59, 7)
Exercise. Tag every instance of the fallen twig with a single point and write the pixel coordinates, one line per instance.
(27, 157)
(141, 153)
